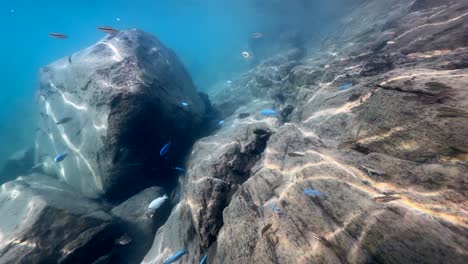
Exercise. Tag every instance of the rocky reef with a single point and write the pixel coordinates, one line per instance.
(365, 159)
(378, 128)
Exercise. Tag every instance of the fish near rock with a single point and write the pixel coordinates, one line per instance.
(179, 169)
(269, 112)
(313, 193)
(345, 87)
(60, 157)
(108, 30)
(257, 35)
(58, 35)
(155, 204)
(64, 120)
(125, 239)
(385, 199)
(165, 149)
(243, 115)
(295, 154)
(265, 228)
(175, 257)
(204, 259)
(246, 55)
(276, 210)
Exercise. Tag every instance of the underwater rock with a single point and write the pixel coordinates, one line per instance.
(218, 165)
(346, 218)
(18, 164)
(257, 83)
(135, 222)
(178, 232)
(122, 96)
(44, 220)
(390, 154)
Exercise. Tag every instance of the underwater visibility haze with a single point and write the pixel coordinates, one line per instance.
(249, 131)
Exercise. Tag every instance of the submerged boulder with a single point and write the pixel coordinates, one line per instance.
(18, 164)
(46, 221)
(112, 107)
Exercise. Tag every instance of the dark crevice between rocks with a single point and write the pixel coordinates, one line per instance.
(136, 149)
(399, 89)
(223, 192)
(361, 148)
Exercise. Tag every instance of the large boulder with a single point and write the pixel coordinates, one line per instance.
(46, 221)
(19, 163)
(112, 107)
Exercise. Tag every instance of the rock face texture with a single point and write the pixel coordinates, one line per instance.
(112, 107)
(378, 126)
(46, 221)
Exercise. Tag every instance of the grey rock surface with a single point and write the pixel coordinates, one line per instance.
(218, 165)
(111, 107)
(46, 221)
(389, 153)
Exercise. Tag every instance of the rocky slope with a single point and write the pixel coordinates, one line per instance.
(365, 161)
(388, 152)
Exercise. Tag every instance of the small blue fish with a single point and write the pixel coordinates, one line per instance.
(221, 122)
(345, 87)
(179, 169)
(60, 157)
(313, 193)
(165, 149)
(268, 112)
(175, 257)
(276, 210)
(184, 104)
(203, 260)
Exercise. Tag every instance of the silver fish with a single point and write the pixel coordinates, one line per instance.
(125, 239)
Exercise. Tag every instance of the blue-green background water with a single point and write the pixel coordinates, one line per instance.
(207, 35)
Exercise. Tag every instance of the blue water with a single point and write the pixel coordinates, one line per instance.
(208, 36)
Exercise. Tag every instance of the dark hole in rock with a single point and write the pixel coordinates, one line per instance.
(361, 148)
(261, 132)
(286, 113)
